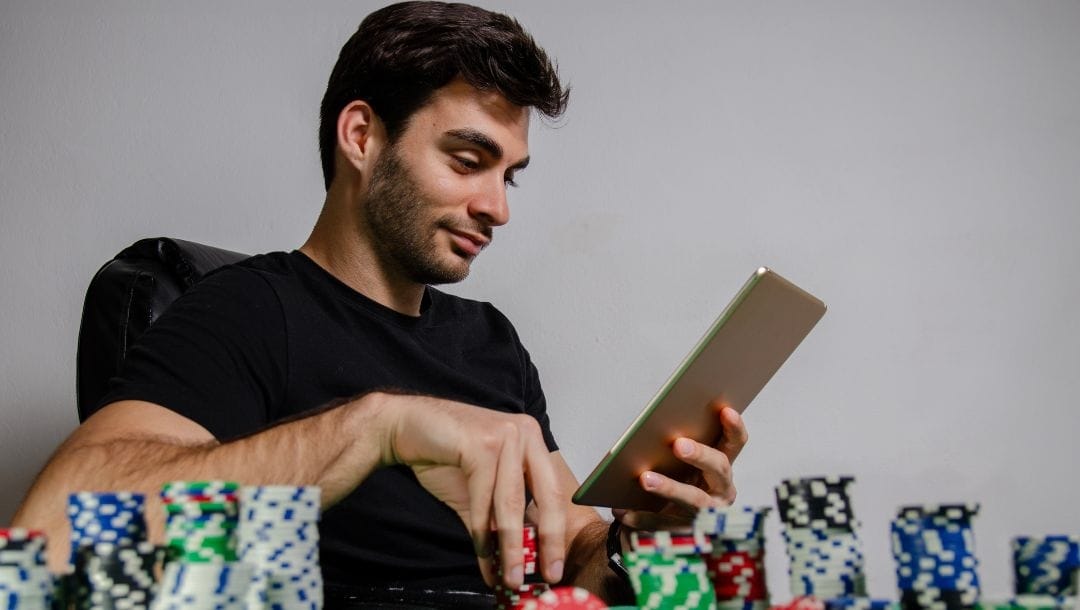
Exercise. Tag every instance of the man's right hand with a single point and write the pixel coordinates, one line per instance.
(476, 460)
(479, 462)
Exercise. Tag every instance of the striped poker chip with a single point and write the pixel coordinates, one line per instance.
(1046, 565)
(115, 576)
(1038, 602)
(732, 522)
(565, 598)
(201, 521)
(109, 517)
(278, 536)
(819, 502)
(667, 581)
(857, 603)
(670, 543)
(533, 587)
(25, 581)
(934, 550)
(825, 557)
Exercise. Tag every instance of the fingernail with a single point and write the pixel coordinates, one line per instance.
(555, 569)
(651, 480)
(684, 446)
(517, 575)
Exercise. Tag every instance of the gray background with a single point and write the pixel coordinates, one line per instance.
(913, 164)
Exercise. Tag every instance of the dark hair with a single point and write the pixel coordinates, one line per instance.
(402, 53)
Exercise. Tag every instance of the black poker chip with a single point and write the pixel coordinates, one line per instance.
(816, 502)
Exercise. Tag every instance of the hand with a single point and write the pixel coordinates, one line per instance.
(479, 462)
(711, 486)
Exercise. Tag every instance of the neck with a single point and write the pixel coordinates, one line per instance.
(342, 246)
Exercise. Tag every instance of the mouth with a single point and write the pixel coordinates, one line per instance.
(468, 243)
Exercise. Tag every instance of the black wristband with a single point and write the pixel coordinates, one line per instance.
(614, 551)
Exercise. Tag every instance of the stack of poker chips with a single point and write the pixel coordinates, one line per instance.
(737, 561)
(533, 587)
(934, 549)
(113, 517)
(279, 537)
(204, 586)
(820, 533)
(25, 582)
(668, 570)
(110, 576)
(201, 521)
(1046, 566)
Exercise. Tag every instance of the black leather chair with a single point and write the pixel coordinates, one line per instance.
(125, 297)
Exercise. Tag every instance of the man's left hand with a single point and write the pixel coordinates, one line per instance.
(712, 485)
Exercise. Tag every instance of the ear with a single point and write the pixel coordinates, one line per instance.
(359, 135)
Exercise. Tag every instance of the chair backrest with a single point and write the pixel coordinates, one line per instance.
(125, 297)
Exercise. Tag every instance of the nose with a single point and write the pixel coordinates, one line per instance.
(490, 204)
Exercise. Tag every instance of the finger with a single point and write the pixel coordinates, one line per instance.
(509, 507)
(713, 464)
(551, 502)
(733, 432)
(687, 496)
(480, 474)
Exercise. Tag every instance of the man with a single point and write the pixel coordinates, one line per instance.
(339, 365)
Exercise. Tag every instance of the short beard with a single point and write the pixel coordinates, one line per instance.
(394, 212)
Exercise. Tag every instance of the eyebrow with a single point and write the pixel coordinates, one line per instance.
(484, 141)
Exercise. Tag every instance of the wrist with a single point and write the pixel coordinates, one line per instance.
(614, 549)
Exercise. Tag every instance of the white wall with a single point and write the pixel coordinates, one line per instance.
(916, 165)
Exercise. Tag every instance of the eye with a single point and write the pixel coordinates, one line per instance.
(509, 180)
(466, 163)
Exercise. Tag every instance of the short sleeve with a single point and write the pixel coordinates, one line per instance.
(217, 355)
(536, 403)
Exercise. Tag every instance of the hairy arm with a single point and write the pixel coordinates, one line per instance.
(137, 446)
(472, 458)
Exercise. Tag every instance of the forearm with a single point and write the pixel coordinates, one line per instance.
(334, 449)
(587, 565)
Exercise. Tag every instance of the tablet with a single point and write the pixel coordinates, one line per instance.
(735, 358)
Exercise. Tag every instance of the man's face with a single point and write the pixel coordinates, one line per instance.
(436, 194)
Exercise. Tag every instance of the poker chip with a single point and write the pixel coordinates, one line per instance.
(278, 536)
(857, 603)
(111, 576)
(670, 544)
(817, 502)
(534, 587)
(25, 582)
(1038, 602)
(1045, 566)
(736, 562)
(110, 517)
(668, 581)
(219, 586)
(565, 598)
(201, 519)
(821, 538)
(934, 550)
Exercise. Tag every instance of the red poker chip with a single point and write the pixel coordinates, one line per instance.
(19, 533)
(805, 602)
(567, 598)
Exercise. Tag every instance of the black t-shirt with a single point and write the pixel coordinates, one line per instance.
(276, 335)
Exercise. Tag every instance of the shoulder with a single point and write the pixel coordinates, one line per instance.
(252, 278)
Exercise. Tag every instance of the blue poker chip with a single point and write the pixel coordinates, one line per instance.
(857, 603)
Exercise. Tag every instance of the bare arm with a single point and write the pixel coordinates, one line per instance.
(472, 458)
(136, 446)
